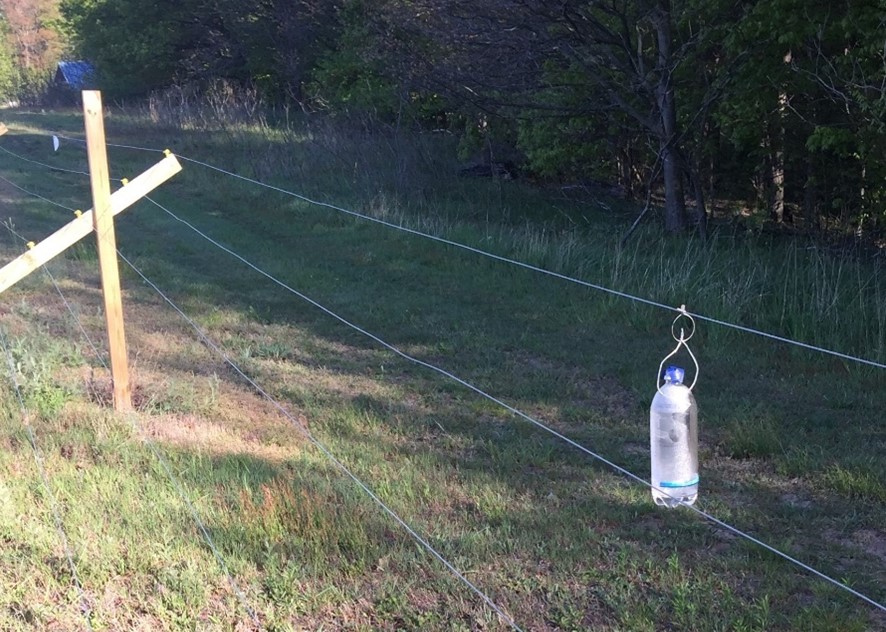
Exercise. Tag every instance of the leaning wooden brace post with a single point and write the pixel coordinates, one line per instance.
(82, 225)
(103, 222)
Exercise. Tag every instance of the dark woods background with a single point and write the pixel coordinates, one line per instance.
(771, 109)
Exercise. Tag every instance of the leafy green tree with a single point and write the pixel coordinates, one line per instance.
(135, 46)
(139, 47)
(806, 110)
(353, 74)
(9, 77)
(846, 59)
(592, 83)
(35, 43)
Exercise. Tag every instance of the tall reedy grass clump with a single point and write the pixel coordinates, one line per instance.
(793, 288)
(796, 289)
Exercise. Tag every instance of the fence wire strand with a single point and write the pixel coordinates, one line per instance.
(43, 164)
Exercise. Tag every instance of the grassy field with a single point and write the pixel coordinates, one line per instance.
(791, 440)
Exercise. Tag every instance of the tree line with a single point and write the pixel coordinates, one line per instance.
(32, 40)
(777, 104)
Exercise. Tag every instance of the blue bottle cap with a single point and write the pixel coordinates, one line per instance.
(674, 375)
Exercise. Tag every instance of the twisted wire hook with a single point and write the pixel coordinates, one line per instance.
(682, 339)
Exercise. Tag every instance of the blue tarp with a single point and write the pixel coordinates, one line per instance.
(76, 74)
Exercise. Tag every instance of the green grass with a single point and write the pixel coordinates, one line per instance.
(791, 441)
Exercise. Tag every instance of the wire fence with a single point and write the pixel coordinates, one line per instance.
(152, 445)
(508, 260)
(464, 383)
(518, 413)
(309, 436)
(313, 440)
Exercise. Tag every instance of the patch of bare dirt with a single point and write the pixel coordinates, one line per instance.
(796, 500)
(872, 541)
(603, 394)
(191, 432)
(608, 396)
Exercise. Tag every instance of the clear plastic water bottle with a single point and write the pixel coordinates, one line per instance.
(673, 431)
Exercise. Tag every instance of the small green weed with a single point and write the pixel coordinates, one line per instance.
(83, 252)
(858, 482)
(36, 362)
(183, 397)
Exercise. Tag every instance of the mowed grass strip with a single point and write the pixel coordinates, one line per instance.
(790, 440)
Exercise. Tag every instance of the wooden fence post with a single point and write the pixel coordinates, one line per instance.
(103, 221)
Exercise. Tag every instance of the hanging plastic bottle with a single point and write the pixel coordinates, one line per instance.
(673, 431)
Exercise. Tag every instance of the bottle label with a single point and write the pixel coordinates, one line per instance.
(671, 485)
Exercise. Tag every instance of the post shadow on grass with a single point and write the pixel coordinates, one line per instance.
(316, 526)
